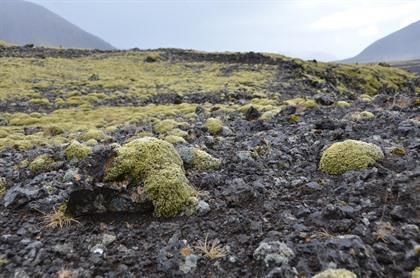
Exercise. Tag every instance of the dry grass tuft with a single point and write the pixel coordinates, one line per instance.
(65, 273)
(211, 249)
(59, 219)
(384, 230)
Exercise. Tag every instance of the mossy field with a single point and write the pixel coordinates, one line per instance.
(181, 163)
(107, 90)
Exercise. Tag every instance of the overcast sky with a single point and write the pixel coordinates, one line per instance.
(323, 29)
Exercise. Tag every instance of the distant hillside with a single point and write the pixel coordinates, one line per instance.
(413, 65)
(23, 22)
(399, 46)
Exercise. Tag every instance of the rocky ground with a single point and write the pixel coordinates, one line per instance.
(268, 209)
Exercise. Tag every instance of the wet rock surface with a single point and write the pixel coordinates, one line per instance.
(268, 204)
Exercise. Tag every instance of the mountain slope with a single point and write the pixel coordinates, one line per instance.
(22, 22)
(401, 45)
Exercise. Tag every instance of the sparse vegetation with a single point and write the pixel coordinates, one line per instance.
(384, 229)
(212, 250)
(59, 218)
(65, 273)
(113, 131)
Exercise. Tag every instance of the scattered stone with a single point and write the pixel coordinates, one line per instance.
(172, 259)
(273, 253)
(18, 196)
(324, 99)
(108, 239)
(190, 264)
(98, 249)
(252, 114)
(203, 208)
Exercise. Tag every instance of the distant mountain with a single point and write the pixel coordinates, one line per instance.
(23, 22)
(399, 46)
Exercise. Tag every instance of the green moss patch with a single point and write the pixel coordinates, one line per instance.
(96, 134)
(156, 164)
(214, 126)
(77, 150)
(173, 139)
(203, 161)
(42, 163)
(349, 155)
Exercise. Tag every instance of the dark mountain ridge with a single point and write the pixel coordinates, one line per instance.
(23, 22)
(401, 45)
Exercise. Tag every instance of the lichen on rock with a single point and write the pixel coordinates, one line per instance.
(156, 164)
(336, 273)
(349, 155)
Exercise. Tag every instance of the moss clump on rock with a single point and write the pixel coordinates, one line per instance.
(214, 126)
(349, 155)
(399, 151)
(307, 103)
(203, 161)
(336, 273)
(342, 103)
(96, 134)
(310, 103)
(166, 126)
(173, 139)
(3, 133)
(91, 142)
(2, 187)
(157, 165)
(365, 98)
(293, 119)
(41, 163)
(364, 115)
(77, 150)
(53, 130)
(416, 273)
